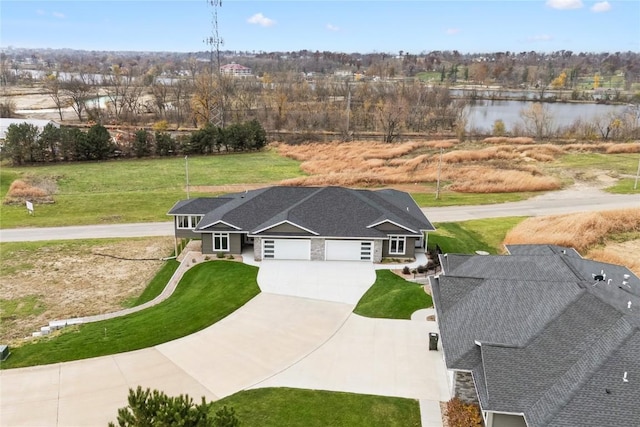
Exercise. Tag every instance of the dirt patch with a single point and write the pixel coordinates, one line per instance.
(70, 280)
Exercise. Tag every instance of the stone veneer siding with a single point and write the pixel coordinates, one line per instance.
(317, 249)
(465, 388)
(377, 250)
(257, 248)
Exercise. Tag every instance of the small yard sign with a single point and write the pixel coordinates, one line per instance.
(30, 207)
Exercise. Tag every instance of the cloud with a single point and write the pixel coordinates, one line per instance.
(261, 20)
(603, 6)
(452, 31)
(40, 12)
(564, 4)
(332, 27)
(540, 38)
(58, 15)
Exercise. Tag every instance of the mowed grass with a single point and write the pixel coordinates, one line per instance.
(392, 297)
(277, 407)
(207, 293)
(156, 286)
(135, 190)
(467, 237)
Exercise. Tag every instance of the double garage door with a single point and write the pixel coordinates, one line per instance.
(300, 249)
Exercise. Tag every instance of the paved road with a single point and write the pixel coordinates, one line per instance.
(574, 199)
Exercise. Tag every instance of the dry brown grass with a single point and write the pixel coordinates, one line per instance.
(69, 280)
(628, 148)
(486, 180)
(19, 188)
(599, 147)
(483, 155)
(581, 231)
(519, 140)
(501, 168)
(624, 253)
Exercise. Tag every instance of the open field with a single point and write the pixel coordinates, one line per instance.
(44, 281)
(489, 171)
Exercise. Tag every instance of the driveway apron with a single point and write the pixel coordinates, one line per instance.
(338, 281)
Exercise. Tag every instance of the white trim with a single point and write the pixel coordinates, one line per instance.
(219, 222)
(391, 222)
(189, 226)
(285, 222)
(396, 238)
(222, 235)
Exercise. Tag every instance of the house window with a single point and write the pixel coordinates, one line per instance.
(195, 220)
(188, 222)
(396, 245)
(221, 242)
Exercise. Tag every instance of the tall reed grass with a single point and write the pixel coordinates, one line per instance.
(581, 231)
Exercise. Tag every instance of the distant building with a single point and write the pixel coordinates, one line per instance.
(235, 70)
(40, 124)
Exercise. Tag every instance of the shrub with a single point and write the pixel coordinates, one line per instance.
(462, 414)
(499, 128)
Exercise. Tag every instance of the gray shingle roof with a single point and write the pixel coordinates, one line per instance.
(552, 336)
(327, 211)
(198, 206)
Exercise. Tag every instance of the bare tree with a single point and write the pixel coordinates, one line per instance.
(78, 91)
(537, 120)
(52, 84)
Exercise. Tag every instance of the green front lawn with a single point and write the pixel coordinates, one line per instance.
(277, 407)
(392, 297)
(126, 191)
(467, 237)
(207, 293)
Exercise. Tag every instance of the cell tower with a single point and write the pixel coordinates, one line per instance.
(216, 113)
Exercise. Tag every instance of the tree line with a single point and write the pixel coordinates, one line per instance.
(26, 144)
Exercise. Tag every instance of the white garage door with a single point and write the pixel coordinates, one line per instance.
(348, 250)
(286, 249)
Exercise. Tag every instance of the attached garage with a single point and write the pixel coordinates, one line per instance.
(348, 250)
(286, 249)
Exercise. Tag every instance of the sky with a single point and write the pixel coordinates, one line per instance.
(471, 26)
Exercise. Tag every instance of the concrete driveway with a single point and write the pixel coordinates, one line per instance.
(266, 336)
(338, 281)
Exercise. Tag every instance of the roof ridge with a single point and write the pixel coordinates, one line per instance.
(285, 212)
(549, 403)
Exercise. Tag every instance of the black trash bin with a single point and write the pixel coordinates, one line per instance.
(433, 341)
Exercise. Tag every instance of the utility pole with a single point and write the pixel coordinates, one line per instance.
(635, 186)
(186, 172)
(348, 109)
(439, 170)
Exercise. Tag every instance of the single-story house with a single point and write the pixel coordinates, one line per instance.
(541, 337)
(306, 223)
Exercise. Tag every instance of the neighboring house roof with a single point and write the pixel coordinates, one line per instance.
(545, 333)
(40, 124)
(323, 211)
